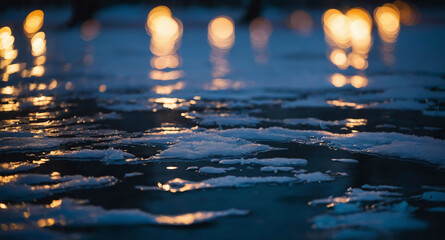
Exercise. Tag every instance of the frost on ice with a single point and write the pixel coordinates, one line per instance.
(344, 160)
(107, 156)
(314, 177)
(24, 187)
(68, 213)
(181, 185)
(276, 162)
(215, 170)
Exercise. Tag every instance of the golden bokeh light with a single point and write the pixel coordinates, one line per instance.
(338, 80)
(300, 21)
(166, 33)
(221, 32)
(260, 31)
(89, 30)
(387, 18)
(409, 14)
(33, 22)
(358, 81)
(168, 89)
(339, 58)
(349, 35)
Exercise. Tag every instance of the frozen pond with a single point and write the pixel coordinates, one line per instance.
(249, 132)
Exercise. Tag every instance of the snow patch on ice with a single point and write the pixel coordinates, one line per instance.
(434, 196)
(133, 174)
(277, 162)
(314, 177)
(357, 194)
(13, 167)
(181, 185)
(380, 187)
(26, 187)
(344, 160)
(107, 156)
(215, 170)
(380, 221)
(68, 213)
(276, 169)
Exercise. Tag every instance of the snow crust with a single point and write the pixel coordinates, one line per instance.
(107, 156)
(25, 187)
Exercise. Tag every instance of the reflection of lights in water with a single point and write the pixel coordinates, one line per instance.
(9, 90)
(357, 61)
(354, 122)
(31, 26)
(360, 26)
(8, 54)
(223, 84)
(161, 75)
(40, 101)
(387, 18)
(170, 103)
(69, 86)
(162, 62)
(89, 30)
(340, 80)
(55, 203)
(348, 31)
(166, 34)
(300, 21)
(336, 28)
(171, 167)
(339, 58)
(33, 22)
(409, 14)
(260, 31)
(221, 32)
(46, 222)
(38, 44)
(53, 84)
(102, 88)
(358, 81)
(165, 90)
(221, 37)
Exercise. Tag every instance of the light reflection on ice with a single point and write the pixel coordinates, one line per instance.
(181, 185)
(24, 187)
(69, 213)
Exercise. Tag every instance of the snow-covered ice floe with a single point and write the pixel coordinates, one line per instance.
(215, 170)
(383, 143)
(240, 141)
(344, 160)
(434, 196)
(276, 169)
(314, 177)
(27, 142)
(24, 187)
(13, 167)
(69, 213)
(372, 211)
(181, 185)
(276, 162)
(198, 145)
(358, 194)
(133, 174)
(375, 220)
(107, 156)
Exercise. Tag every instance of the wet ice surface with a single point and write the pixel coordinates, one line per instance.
(277, 145)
